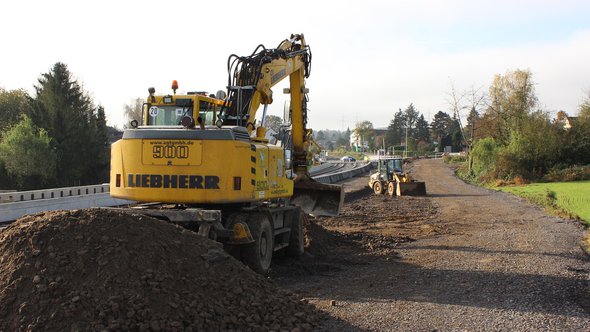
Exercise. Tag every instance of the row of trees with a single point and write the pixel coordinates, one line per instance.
(410, 125)
(57, 137)
(507, 134)
(514, 138)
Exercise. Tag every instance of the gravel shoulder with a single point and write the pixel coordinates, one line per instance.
(462, 259)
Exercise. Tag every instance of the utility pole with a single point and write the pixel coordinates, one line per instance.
(470, 158)
(406, 147)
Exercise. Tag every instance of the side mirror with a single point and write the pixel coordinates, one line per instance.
(288, 160)
(287, 113)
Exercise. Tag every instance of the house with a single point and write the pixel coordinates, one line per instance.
(569, 122)
(357, 143)
(565, 120)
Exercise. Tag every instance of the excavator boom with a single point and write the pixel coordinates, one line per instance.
(249, 85)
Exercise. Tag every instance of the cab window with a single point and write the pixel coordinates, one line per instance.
(206, 112)
(167, 115)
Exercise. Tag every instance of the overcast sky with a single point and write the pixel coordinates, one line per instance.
(370, 58)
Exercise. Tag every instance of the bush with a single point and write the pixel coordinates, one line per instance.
(454, 159)
(571, 173)
(484, 155)
(27, 156)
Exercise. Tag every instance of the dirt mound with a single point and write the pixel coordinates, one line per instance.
(99, 269)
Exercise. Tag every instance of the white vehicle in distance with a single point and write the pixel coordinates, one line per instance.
(347, 158)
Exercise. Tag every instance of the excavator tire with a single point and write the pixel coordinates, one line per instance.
(296, 237)
(258, 255)
(378, 188)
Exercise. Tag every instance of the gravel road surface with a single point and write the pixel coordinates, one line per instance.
(462, 259)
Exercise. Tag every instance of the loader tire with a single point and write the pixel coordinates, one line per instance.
(378, 188)
(297, 238)
(391, 188)
(258, 255)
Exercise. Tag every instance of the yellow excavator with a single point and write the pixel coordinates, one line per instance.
(200, 160)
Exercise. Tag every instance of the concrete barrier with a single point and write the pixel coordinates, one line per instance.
(337, 177)
(13, 211)
(19, 196)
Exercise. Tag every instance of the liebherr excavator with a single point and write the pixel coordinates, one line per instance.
(210, 168)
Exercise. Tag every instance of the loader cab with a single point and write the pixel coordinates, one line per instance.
(389, 166)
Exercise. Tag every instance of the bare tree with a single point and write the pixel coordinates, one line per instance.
(456, 104)
(273, 122)
(133, 110)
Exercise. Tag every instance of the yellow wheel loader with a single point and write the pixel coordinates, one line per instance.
(391, 178)
(203, 161)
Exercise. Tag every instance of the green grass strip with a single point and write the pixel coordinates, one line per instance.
(570, 197)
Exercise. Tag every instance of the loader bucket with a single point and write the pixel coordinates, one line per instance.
(413, 188)
(317, 198)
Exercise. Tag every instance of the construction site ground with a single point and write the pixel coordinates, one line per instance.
(464, 258)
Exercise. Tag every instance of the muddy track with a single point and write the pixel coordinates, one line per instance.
(463, 258)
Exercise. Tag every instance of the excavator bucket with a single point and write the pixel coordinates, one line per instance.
(413, 188)
(317, 198)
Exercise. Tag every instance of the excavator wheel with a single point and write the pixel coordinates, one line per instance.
(391, 188)
(378, 188)
(296, 238)
(258, 255)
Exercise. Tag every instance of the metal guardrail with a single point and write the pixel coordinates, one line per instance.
(14, 205)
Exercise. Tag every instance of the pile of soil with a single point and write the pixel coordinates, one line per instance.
(105, 270)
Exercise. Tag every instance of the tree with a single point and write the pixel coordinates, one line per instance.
(512, 99)
(484, 156)
(472, 120)
(530, 151)
(27, 155)
(97, 172)
(395, 130)
(68, 115)
(575, 145)
(422, 130)
(584, 110)
(456, 129)
(455, 137)
(365, 132)
(133, 111)
(273, 122)
(13, 104)
(411, 116)
(440, 127)
(476, 101)
(320, 136)
(343, 139)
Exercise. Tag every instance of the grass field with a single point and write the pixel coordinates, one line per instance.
(569, 197)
